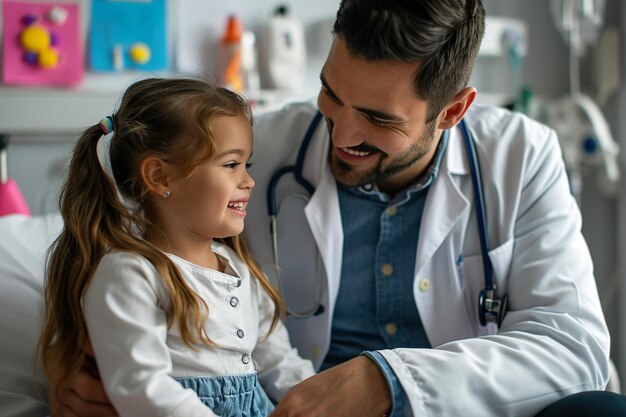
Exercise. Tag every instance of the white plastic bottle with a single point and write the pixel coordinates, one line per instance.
(251, 80)
(282, 52)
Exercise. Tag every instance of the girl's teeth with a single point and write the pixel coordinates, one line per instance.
(236, 206)
(355, 153)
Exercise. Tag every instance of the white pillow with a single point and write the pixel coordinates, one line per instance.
(23, 245)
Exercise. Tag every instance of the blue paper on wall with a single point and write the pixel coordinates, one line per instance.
(128, 34)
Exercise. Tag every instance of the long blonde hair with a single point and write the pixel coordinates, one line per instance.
(167, 118)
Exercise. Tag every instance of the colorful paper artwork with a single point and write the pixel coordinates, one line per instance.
(128, 34)
(41, 44)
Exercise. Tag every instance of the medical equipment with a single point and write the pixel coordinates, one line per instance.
(490, 308)
(584, 133)
(586, 140)
(579, 22)
(501, 54)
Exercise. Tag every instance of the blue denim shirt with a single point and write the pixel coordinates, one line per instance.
(375, 307)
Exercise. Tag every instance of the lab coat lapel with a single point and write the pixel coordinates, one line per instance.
(322, 211)
(445, 203)
(324, 219)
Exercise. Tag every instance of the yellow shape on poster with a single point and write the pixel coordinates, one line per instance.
(48, 58)
(140, 53)
(35, 38)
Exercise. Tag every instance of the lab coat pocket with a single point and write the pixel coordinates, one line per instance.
(471, 273)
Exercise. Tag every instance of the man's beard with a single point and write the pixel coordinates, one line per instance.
(346, 174)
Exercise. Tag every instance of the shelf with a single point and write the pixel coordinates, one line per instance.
(47, 111)
(52, 111)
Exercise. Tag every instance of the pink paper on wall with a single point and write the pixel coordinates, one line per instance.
(41, 44)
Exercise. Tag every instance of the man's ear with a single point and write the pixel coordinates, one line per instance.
(454, 111)
(156, 174)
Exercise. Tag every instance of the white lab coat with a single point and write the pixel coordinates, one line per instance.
(554, 340)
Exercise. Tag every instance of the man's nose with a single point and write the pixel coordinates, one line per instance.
(347, 130)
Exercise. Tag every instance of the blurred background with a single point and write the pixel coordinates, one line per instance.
(560, 61)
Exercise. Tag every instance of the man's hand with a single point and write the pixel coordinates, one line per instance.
(354, 388)
(85, 396)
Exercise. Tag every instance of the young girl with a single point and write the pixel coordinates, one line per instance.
(149, 267)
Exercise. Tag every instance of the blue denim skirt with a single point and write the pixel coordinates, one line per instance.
(231, 396)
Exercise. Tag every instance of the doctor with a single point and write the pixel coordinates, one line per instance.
(391, 235)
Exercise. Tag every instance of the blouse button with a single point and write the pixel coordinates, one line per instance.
(240, 333)
(238, 283)
(245, 358)
(234, 301)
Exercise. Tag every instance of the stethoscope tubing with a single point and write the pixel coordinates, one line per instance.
(481, 216)
(296, 169)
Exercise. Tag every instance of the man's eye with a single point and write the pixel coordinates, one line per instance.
(378, 122)
(330, 95)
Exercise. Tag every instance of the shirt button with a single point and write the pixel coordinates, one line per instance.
(387, 270)
(245, 358)
(316, 351)
(391, 328)
(240, 333)
(424, 285)
(234, 301)
(238, 283)
(391, 211)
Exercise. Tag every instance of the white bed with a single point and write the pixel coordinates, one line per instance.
(23, 244)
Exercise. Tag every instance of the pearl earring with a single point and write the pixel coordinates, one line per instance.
(167, 194)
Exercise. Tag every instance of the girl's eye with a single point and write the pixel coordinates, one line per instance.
(232, 164)
(248, 165)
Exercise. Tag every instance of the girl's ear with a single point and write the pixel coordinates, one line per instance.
(156, 174)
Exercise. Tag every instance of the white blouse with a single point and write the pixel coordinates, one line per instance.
(137, 355)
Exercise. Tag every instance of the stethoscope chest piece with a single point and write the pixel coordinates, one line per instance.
(491, 309)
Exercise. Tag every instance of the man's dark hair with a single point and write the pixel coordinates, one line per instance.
(444, 36)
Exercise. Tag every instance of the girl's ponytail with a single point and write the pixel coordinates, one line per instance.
(88, 218)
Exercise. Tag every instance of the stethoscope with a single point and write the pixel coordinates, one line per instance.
(490, 308)
(273, 209)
